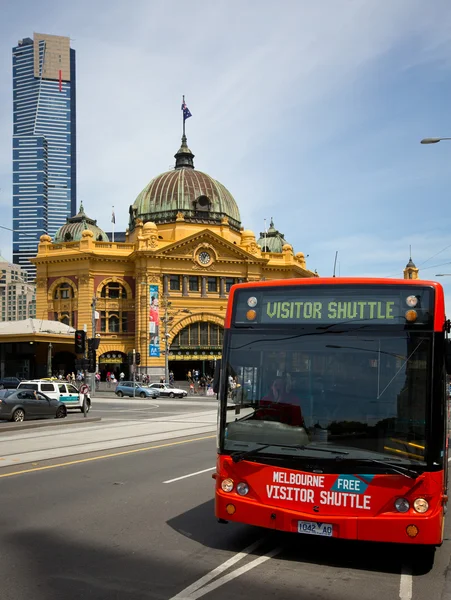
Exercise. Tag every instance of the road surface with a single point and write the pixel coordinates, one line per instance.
(136, 522)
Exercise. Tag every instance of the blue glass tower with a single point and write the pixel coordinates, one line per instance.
(44, 142)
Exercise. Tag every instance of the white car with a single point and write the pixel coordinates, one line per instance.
(168, 390)
(65, 392)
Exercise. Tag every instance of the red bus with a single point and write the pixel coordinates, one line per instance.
(333, 409)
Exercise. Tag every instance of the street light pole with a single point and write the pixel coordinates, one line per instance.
(49, 360)
(167, 316)
(434, 140)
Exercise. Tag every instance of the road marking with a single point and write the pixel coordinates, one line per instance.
(189, 475)
(112, 455)
(194, 587)
(405, 584)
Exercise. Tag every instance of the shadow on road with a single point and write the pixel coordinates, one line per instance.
(49, 566)
(367, 556)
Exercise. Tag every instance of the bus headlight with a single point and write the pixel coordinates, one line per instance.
(411, 301)
(227, 485)
(421, 505)
(242, 488)
(402, 505)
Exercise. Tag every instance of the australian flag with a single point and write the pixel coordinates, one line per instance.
(186, 112)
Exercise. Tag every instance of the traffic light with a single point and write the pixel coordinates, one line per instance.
(80, 341)
(130, 358)
(137, 358)
(92, 355)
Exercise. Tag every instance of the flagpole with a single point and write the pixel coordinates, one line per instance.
(183, 116)
(114, 222)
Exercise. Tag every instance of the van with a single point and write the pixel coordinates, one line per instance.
(59, 390)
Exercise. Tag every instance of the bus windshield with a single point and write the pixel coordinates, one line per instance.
(364, 395)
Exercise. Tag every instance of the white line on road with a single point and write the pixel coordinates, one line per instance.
(209, 576)
(405, 585)
(189, 475)
(226, 578)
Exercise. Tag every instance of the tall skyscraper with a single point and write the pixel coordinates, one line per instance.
(44, 142)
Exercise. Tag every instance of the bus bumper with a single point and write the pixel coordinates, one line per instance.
(409, 528)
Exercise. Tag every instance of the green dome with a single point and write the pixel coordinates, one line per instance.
(73, 228)
(185, 190)
(271, 240)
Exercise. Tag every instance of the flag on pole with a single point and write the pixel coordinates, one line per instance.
(113, 217)
(186, 111)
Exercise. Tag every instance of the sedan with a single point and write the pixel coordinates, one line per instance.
(26, 404)
(168, 390)
(125, 388)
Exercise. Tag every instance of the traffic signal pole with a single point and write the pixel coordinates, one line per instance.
(134, 371)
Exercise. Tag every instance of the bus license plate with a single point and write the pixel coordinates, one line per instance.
(324, 529)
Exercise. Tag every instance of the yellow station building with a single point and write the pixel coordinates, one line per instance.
(168, 281)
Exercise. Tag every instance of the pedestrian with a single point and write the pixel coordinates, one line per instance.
(122, 376)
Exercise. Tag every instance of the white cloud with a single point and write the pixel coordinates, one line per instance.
(291, 111)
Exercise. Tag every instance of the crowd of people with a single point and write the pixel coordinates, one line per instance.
(200, 384)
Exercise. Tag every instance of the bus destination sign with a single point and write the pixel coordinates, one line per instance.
(313, 306)
(329, 310)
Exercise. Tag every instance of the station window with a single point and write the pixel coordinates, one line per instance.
(193, 283)
(113, 290)
(212, 284)
(228, 283)
(174, 283)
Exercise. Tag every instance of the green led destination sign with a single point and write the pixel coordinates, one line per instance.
(329, 310)
(318, 305)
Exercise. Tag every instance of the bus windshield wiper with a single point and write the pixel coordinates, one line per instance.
(396, 469)
(238, 456)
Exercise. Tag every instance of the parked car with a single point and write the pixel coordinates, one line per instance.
(9, 383)
(28, 404)
(125, 388)
(168, 390)
(58, 390)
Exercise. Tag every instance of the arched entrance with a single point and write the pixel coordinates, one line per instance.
(113, 362)
(196, 347)
(63, 363)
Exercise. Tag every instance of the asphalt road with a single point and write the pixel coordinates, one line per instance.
(140, 525)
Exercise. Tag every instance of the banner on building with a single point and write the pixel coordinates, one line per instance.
(154, 321)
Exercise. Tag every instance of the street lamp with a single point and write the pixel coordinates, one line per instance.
(443, 274)
(433, 140)
(166, 319)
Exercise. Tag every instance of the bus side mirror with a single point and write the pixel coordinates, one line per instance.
(217, 376)
(448, 356)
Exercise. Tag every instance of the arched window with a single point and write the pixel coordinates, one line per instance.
(65, 319)
(68, 236)
(113, 324)
(113, 290)
(113, 307)
(64, 291)
(199, 335)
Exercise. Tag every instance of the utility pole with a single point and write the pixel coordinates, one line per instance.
(134, 371)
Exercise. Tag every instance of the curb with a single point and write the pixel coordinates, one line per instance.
(47, 423)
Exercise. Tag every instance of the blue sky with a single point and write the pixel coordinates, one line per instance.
(310, 112)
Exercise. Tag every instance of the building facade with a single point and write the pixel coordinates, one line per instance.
(163, 290)
(17, 296)
(44, 142)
